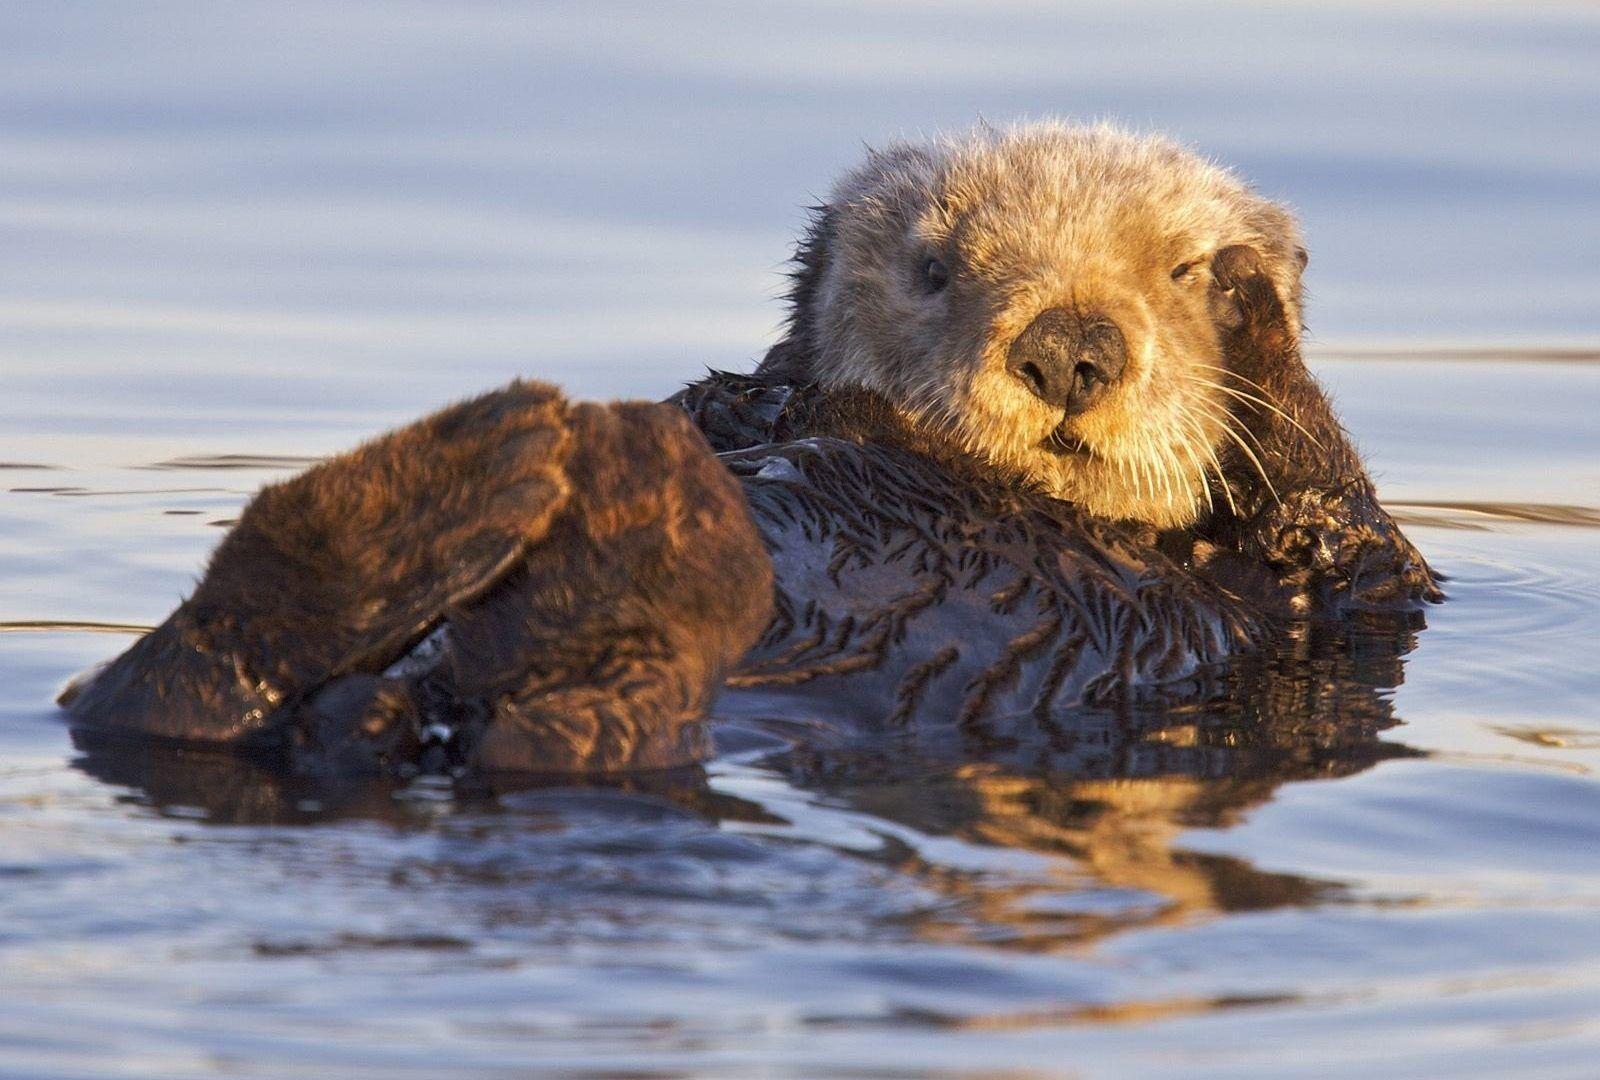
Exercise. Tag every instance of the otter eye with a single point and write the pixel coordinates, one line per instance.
(1181, 271)
(935, 275)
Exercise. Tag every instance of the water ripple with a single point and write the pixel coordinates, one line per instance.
(1484, 515)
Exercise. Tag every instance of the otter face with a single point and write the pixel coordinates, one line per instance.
(1043, 295)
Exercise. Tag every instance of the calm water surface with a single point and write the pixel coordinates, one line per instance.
(233, 240)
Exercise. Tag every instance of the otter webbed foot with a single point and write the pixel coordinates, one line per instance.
(448, 574)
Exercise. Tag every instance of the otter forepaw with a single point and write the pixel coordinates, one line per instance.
(1247, 299)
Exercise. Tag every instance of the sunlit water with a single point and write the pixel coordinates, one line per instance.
(232, 242)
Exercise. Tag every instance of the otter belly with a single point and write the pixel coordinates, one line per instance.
(906, 594)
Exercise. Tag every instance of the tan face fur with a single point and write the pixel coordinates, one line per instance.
(1090, 219)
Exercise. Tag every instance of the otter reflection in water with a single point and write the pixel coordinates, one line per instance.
(1039, 439)
(1105, 796)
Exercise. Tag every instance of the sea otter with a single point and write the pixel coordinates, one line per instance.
(1039, 436)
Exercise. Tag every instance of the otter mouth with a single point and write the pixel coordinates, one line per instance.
(1064, 443)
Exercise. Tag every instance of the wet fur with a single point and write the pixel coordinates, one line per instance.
(590, 573)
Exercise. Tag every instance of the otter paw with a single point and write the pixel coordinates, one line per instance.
(1247, 299)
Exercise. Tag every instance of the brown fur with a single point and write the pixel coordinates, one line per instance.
(593, 567)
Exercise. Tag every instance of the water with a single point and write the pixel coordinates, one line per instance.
(235, 239)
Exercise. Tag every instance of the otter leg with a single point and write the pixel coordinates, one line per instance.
(601, 652)
(1307, 508)
(590, 572)
(604, 653)
(340, 569)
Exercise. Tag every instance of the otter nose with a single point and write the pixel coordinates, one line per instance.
(1068, 358)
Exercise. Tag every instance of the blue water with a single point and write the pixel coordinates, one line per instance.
(234, 238)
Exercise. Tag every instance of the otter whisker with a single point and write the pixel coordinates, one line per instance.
(1146, 466)
(1264, 402)
(1255, 401)
(1198, 474)
(1212, 461)
(1222, 479)
(1228, 419)
(1186, 420)
(1146, 478)
(1192, 422)
(1173, 474)
(1130, 465)
(1228, 430)
(934, 415)
(1252, 399)
(1247, 380)
(1135, 466)
(1154, 454)
(1172, 468)
(1125, 471)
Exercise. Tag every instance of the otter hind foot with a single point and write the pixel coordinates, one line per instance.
(446, 585)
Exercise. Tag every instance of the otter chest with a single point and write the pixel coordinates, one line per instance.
(906, 596)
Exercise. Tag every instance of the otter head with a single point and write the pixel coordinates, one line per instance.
(1042, 295)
